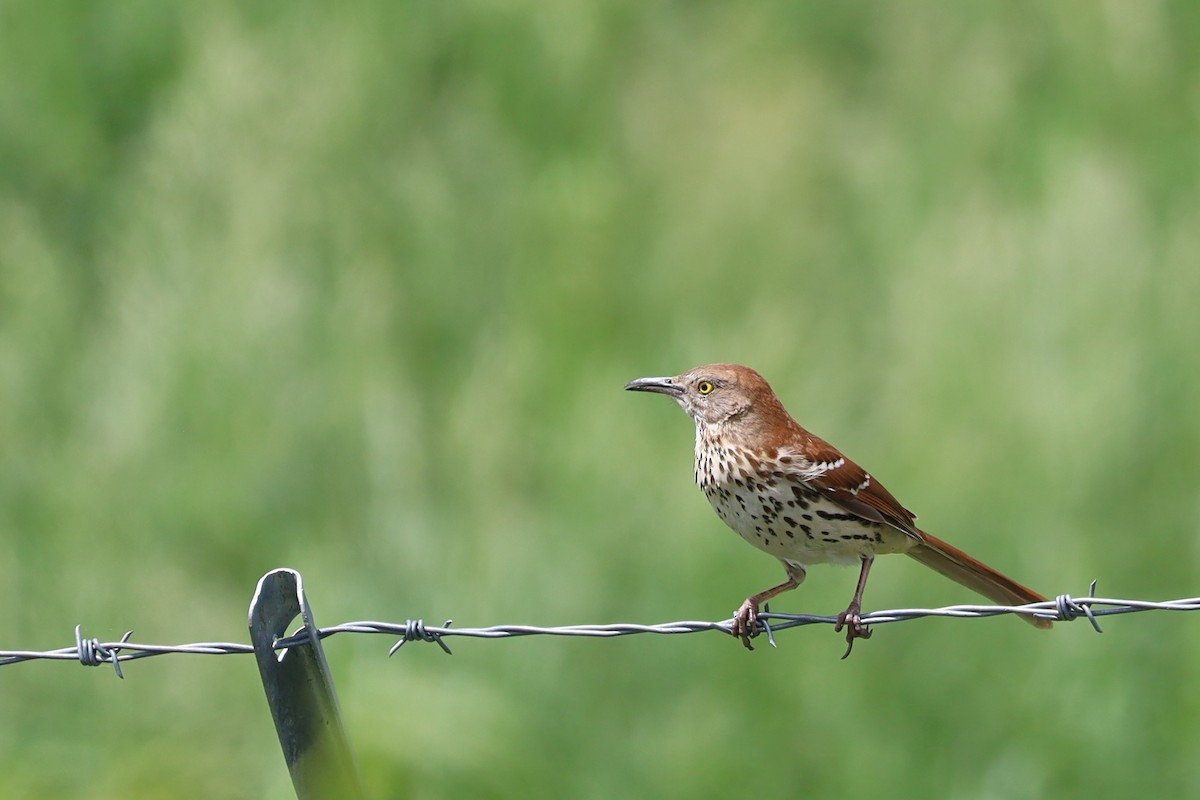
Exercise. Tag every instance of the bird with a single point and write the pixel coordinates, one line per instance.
(793, 495)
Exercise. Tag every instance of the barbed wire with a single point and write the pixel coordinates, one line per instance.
(1064, 608)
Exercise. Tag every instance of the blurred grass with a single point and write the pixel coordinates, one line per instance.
(356, 290)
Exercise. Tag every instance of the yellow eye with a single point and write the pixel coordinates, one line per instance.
(704, 387)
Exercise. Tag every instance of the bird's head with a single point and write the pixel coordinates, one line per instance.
(720, 395)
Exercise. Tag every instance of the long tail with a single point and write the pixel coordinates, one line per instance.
(975, 575)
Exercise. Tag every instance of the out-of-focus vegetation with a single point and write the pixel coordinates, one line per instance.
(355, 290)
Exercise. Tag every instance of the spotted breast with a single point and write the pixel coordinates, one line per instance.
(770, 500)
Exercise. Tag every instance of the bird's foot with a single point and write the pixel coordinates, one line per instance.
(851, 620)
(745, 623)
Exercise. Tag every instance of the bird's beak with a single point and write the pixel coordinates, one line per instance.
(660, 385)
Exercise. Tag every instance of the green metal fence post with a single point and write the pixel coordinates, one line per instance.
(300, 693)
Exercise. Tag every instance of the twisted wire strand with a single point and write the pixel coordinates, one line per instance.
(1064, 608)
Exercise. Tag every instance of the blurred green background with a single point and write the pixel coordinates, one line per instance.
(355, 290)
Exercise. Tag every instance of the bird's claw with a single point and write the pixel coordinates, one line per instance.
(851, 620)
(745, 624)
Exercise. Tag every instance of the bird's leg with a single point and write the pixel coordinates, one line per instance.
(745, 620)
(851, 618)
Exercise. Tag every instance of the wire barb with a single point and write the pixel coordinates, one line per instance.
(92, 653)
(1069, 609)
(414, 630)
(766, 626)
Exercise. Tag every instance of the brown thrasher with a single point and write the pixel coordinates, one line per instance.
(795, 496)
